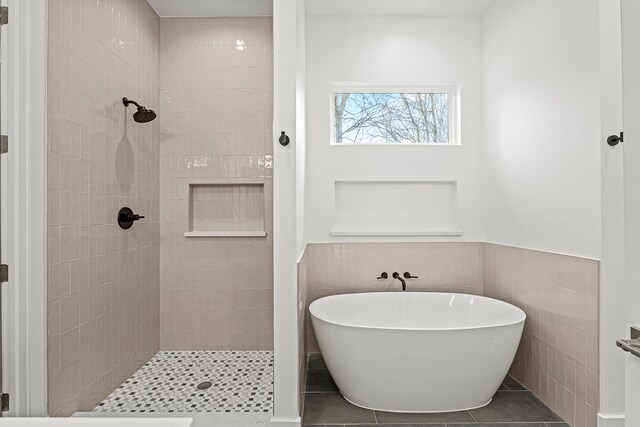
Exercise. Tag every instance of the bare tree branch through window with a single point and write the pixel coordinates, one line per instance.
(391, 118)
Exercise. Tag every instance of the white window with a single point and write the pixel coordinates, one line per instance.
(387, 116)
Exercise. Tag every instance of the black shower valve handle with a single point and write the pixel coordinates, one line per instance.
(384, 275)
(126, 218)
(408, 275)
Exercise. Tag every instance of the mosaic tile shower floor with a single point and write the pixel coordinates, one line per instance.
(242, 381)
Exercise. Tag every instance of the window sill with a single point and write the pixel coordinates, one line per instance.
(225, 234)
(400, 144)
(397, 233)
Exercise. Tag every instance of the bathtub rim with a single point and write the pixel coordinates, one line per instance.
(386, 328)
(448, 411)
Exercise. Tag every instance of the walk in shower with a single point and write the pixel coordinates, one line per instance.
(174, 312)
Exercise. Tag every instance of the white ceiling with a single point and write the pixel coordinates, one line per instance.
(166, 8)
(398, 7)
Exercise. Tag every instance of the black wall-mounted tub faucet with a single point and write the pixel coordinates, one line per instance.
(397, 276)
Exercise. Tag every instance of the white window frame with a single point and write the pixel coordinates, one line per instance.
(453, 101)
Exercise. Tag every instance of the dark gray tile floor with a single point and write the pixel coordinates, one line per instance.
(512, 406)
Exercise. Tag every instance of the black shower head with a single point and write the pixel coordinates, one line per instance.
(143, 115)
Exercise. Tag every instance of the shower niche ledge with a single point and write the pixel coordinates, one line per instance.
(226, 209)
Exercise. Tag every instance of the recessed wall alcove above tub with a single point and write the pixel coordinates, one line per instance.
(396, 208)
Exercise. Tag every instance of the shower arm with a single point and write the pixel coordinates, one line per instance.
(126, 101)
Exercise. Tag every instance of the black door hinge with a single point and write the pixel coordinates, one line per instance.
(4, 402)
(4, 15)
(4, 273)
(4, 144)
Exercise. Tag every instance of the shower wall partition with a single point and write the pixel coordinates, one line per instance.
(116, 297)
(103, 282)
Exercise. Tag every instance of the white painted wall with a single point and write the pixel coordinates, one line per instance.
(301, 130)
(541, 177)
(285, 272)
(24, 207)
(396, 7)
(400, 51)
(612, 267)
(557, 186)
(630, 13)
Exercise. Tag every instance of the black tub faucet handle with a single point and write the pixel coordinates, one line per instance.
(384, 275)
(408, 275)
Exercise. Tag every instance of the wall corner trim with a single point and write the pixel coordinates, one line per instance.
(24, 198)
(610, 420)
(304, 249)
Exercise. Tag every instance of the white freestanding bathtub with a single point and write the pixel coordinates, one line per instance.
(417, 351)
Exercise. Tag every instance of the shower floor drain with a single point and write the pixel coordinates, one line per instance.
(204, 385)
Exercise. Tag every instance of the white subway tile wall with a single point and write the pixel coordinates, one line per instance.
(558, 355)
(103, 282)
(216, 97)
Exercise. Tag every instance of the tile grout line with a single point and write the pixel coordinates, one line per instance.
(472, 417)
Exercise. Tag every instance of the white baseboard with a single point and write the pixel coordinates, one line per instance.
(610, 420)
(287, 422)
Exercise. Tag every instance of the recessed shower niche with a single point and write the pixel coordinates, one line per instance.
(226, 210)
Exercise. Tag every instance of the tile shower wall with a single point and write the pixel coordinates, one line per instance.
(103, 282)
(227, 207)
(353, 267)
(217, 109)
(558, 355)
